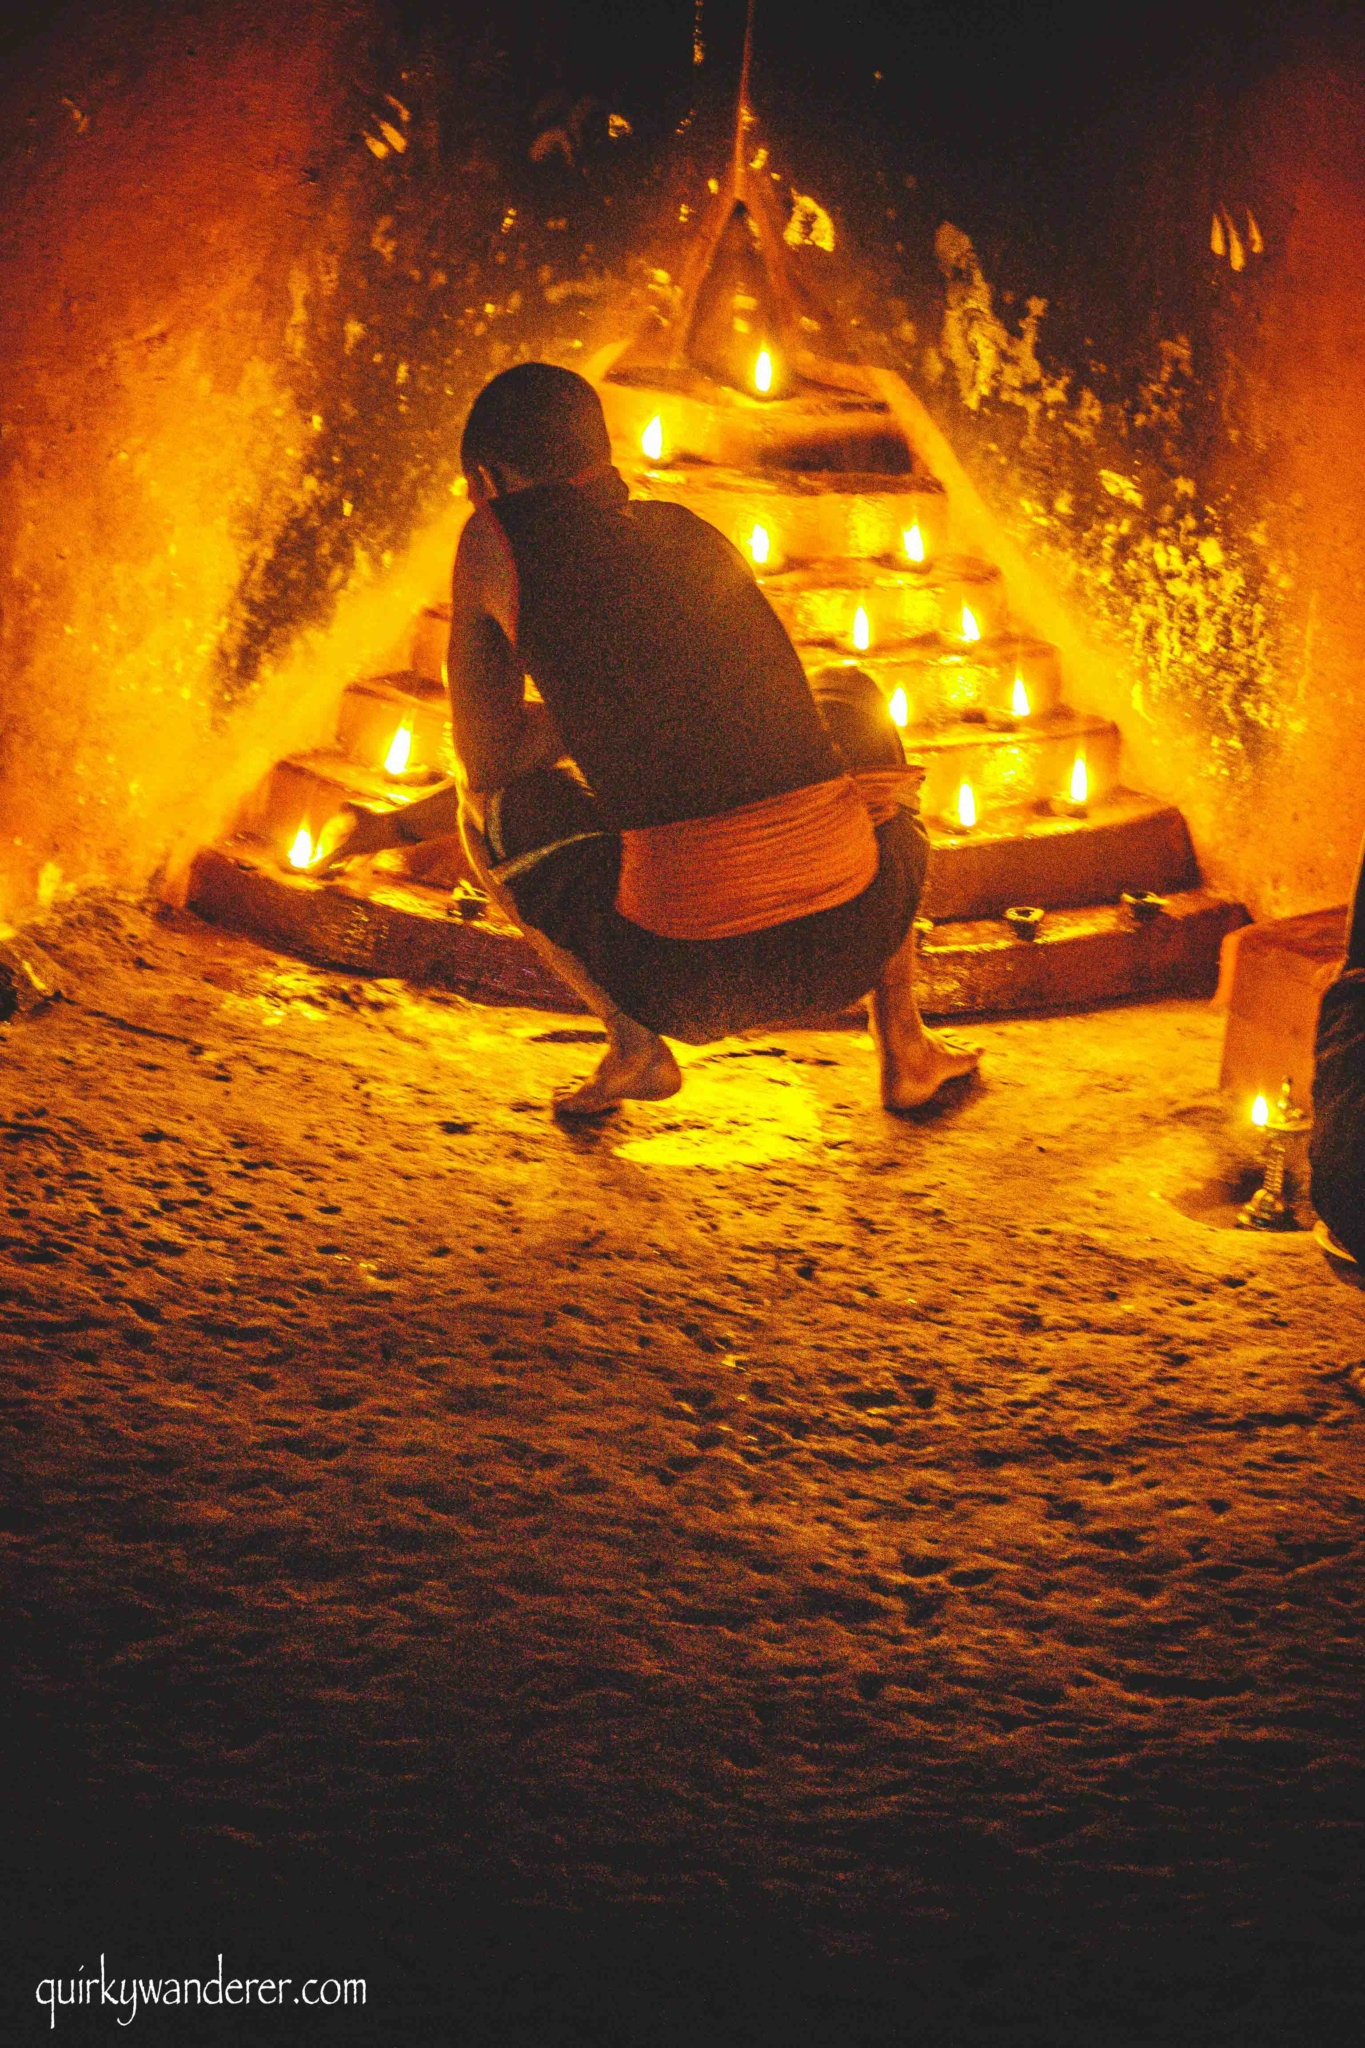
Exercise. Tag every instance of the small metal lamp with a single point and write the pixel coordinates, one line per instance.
(1268, 1209)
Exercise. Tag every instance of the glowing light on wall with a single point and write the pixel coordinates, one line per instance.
(301, 852)
(914, 543)
(400, 749)
(652, 439)
(862, 630)
(899, 707)
(1080, 781)
(966, 806)
(1019, 703)
(760, 545)
(763, 373)
(970, 628)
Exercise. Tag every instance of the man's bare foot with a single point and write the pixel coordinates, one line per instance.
(915, 1070)
(637, 1066)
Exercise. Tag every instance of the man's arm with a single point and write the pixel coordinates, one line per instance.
(497, 734)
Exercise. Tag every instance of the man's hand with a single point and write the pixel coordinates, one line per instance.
(354, 831)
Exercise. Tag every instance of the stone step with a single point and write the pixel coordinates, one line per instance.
(1078, 958)
(372, 926)
(302, 792)
(374, 716)
(831, 432)
(430, 635)
(1129, 843)
(1012, 768)
(864, 608)
(943, 680)
(799, 517)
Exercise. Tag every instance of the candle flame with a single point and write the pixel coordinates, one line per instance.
(914, 542)
(763, 372)
(400, 749)
(966, 805)
(652, 439)
(899, 707)
(1080, 781)
(1260, 1112)
(301, 852)
(862, 630)
(1019, 703)
(970, 629)
(760, 544)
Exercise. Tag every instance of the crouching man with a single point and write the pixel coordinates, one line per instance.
(697, 842)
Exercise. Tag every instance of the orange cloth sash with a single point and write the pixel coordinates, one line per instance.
(763, 865)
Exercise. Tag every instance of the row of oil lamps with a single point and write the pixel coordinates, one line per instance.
(965, 817)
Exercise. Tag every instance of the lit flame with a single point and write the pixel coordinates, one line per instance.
(1260, 1112)
(899, 707)
(400, 749)
(301, 852)
(652, 439)
(763, 372)
(1080, 781)
(970, 629)
(1019, 703)
(862, 630)
(966, 805)
(914, 543)
(760, 544)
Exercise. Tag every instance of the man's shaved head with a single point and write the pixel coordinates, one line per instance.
(538, 421)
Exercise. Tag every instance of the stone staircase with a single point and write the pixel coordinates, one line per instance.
(852, 540)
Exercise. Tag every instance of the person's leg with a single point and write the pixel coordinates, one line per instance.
(637, 1065)
(915, 1062)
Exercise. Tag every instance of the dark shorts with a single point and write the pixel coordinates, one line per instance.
(696, 990)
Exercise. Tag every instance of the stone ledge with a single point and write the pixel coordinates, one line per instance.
(1128, 842)
(1274, 977)
(1081, 957)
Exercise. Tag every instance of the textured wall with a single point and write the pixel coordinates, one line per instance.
(1305, 403)
(1196, 498)
(238, 331)
(166, 177)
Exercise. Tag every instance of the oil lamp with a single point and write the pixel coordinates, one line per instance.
(763, 373)
(899, 707)
(652, 439)
(913, 541)
(970, 629)
(1282, 1123)
(1019, 703)
(760, 545)
(966, 807)
(862, 630)
(301, 852)
(399, 755)
(1024, 919)
(1076, 802)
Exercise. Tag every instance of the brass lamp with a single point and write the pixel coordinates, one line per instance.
(1268, 1209)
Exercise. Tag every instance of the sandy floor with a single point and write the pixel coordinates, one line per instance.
(755, 1570)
